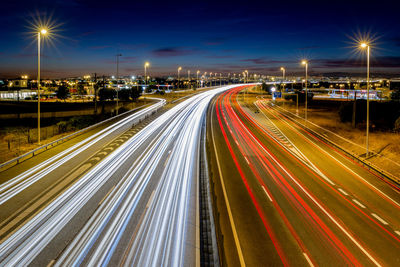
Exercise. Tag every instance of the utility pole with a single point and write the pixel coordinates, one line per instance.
(95, 87)
(118, 55)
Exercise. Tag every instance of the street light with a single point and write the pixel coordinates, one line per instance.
(365, 45)
(197, 79)
(146, 65)
(305, 63)
(283, 76)
(283, 73)
(41, 33)
(118, 55)
(188, 79)
(179, 69)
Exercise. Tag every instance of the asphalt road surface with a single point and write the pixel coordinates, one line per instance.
(132, 201)
(285, 197)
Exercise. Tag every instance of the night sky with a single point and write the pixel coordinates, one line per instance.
(214, 36)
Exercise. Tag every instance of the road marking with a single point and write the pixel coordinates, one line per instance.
(267, 193)
(228, 207)
(109, 148)
(397, 232)
(101, 201)
(236, 142)
(96, 158)
(246, 160)
(379, 219)
(358, 203)
(308, 259)
(102, 153)
(343, 192)
(150, 199)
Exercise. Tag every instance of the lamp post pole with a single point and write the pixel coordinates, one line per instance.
(44, 32)
(118, 55)
(188, 79)
(365, 45)
(197, 79)
(38, 86)
(145, 73)
(304, 62)
(179, 69)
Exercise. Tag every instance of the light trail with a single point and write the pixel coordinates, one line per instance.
(161, 236)
(14, 186)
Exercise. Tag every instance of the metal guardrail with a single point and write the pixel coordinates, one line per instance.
(355, 157)
(31, 153)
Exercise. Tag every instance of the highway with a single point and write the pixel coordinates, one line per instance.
(286, 197)
(138, 205)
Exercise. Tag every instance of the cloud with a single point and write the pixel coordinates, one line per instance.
(173, 52)
(264, 61)
(215, 41)
(219, 56)
(380, 62)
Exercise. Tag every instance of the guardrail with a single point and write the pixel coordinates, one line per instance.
(355, 157)
(36, 151)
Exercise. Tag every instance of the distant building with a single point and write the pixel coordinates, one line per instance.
(18, 84)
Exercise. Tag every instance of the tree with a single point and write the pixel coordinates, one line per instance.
(62, 92)
(136, 93)
(105, 94)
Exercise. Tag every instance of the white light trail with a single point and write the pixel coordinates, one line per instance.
(161, 237)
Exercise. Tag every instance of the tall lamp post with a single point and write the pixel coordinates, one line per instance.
(197, 78)
(41, 33)
(305, 63)
(179, 70)
(118, 55)
(283, 76)
(146, 65)
(210, 79)
(365, 45)
(188, 79)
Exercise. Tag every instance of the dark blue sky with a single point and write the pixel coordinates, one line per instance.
(223, 36)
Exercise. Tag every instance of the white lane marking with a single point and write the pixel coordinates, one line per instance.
(397, 232)
(101, 201)
(379, 219)
(350, 170)
(358, 203)
(308, 259)
(265, 191)
(236, 142)
(319, 205)
(343, 192)
(247, 160)
(228, 207)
